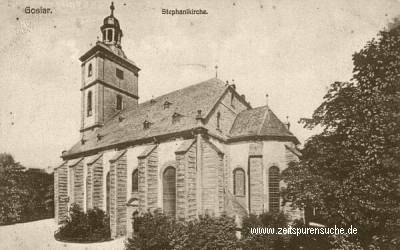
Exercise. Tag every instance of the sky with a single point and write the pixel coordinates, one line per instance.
(291, 50)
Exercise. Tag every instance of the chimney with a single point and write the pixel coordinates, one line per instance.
(266, 98)
(243, 97)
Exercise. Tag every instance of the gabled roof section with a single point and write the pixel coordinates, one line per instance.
(260, 122)
(202, 96)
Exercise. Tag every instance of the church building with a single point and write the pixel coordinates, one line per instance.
(199, 150)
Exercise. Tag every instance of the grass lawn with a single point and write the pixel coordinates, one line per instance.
(38, 235)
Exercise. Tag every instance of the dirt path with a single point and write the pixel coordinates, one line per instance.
(38, 235)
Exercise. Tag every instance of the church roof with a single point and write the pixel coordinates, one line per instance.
(187, 101)
(259, 121)
(141, 124)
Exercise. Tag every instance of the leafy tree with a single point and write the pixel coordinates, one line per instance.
(351, 170)
(11, 193)
(25, 194)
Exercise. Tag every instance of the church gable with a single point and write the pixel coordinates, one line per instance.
(225, 111)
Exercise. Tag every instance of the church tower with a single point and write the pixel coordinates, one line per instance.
(109, 78)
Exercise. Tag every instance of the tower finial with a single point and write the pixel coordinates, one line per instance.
(112, 8)
(216, 71)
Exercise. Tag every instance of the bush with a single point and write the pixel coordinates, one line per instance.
(151, 232)
(264, 241)
(156, 231)
(211, 233)
(94, 226)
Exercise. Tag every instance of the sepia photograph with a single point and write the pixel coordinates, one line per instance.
(188, 125)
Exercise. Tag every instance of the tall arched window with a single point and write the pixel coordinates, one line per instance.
(89, 103)
(273, 185)
(90, 70)
(169, 191)
(218, 120)
(239, 182)
(108, 190)
(135, 181)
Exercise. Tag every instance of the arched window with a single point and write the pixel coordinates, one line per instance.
(169, 191)
(119, 102)
(135, 181)
(273, 187)
(90, 70)
(239, 187)
(89, 103)
(104, 35)
(218, 120)
(108, 190)
(109, 35)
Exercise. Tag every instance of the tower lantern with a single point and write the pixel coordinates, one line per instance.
(111, 30)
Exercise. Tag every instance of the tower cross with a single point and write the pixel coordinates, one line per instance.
(112, 8)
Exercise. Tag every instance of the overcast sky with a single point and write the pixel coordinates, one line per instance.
(292, 50)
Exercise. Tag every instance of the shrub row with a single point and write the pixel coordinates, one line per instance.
(156, 231)
(93, 226)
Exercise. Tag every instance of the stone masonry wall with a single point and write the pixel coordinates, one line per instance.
(97, 193)
(78, 184)
(212, 164)
(89, 187)
(152, 179)
(186, 184)
(61, 193)
(118, 216)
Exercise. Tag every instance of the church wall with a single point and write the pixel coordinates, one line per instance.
(107, 156)
(97, 182)
(118, 195)
(61, 193)
(238, 158)
(166, 157)
(212, 190)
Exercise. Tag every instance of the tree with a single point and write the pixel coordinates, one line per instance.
(351, 170)
(11, 193)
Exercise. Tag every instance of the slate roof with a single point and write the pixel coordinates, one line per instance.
(202, 96)
(259, 121)
(186, 102)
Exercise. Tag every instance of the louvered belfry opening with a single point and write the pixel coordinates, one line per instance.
(169, 191)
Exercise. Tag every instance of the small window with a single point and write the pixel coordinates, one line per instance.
(219, 121)
(119, 73)
(146, 125)
(90, 70)
(104, 35)
(176, 118)
(167, 104)
(119, 102)
(273, 186)
(89, 104)
(135, 181)
(239, 182)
